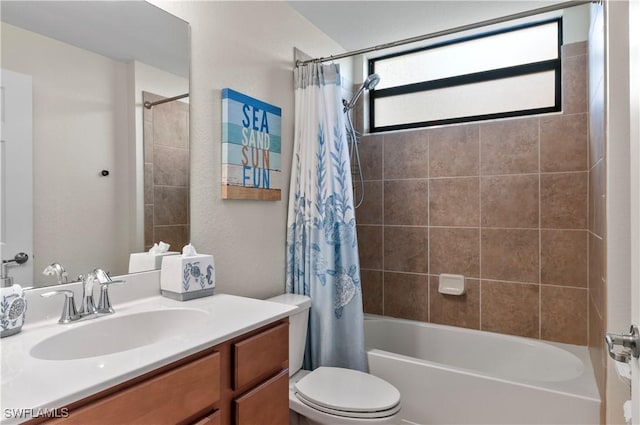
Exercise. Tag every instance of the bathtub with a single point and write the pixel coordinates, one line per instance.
(449, 375)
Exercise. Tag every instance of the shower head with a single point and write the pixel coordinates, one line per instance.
(369, 83)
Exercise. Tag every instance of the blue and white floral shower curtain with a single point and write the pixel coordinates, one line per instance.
(322, 248)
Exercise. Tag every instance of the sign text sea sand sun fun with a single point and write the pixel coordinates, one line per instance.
(251, 147)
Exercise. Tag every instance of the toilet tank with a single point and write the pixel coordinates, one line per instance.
(298, 320)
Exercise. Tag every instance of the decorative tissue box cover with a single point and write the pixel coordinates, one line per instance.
(186, 278)
(12, 310)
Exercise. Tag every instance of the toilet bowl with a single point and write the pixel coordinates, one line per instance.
(331, 395)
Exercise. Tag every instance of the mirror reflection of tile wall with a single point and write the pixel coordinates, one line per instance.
(166, 173)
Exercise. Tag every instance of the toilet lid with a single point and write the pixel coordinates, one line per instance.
(347, 390)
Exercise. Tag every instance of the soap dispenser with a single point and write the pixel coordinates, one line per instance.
(12, 302)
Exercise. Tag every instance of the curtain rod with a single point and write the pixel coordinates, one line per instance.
(150, 105)
(462, 28)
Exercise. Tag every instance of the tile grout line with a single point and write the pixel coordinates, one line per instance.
(428, 229)
(539, 242)
(589, 171)
(383, 224)
(550, 285)
(556, 229)
(480, 228)
(481, 176)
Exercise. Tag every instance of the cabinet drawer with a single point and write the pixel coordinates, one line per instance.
(212, 419)
(169, 398)
(260, 356)
(267, 404)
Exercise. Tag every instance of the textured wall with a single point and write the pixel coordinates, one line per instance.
(247, 46)
(503, 202)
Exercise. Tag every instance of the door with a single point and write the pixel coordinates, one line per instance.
(16, 173)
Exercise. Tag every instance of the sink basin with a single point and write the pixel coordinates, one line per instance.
(114, 334)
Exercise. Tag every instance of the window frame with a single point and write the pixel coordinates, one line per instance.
(476, 77)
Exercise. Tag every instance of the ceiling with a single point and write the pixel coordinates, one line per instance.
(360, 24)
(122, 30)
(127, 30)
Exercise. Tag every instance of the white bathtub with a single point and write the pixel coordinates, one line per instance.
(449, 375)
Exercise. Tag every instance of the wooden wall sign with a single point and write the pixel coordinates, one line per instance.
(251, 148)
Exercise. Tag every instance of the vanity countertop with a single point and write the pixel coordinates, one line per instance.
(31, 383)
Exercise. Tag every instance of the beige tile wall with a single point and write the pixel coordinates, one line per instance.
(166, 173)
(504, 203)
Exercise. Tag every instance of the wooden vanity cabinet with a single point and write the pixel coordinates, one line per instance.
(244, 381)
(261, 377)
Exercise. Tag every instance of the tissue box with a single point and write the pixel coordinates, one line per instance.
(145, 261)
(185, 278)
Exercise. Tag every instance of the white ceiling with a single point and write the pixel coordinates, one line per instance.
(360, 24)
(128, 30)
(122, 30)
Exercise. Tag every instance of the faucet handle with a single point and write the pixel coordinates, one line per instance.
(104, 304)
(101, 275)
(69, 312)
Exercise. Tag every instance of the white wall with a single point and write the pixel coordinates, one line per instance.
(575, 25)
(247, 46)
(79, 129)
(618, 193)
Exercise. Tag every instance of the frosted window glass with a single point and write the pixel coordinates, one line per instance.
(497, 96)
(528, 45)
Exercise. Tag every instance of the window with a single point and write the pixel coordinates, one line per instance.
(505, 73)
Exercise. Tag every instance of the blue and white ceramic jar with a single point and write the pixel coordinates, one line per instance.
(13, 307)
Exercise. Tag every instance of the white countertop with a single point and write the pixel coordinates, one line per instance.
(31, 383)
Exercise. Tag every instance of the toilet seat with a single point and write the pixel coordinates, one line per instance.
(348, 414)
(348, 393)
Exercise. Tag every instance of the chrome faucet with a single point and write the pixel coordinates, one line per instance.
(57, 270)
(104, 280)
(88, 309)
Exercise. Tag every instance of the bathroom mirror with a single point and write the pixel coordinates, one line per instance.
(73, 77)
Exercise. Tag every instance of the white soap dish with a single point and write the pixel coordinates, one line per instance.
(451, 284)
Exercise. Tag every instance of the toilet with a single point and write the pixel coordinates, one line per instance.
(331, 395)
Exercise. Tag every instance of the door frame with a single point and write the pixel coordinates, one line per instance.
(634, 141)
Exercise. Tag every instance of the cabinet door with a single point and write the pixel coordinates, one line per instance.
(267, 404)
(170, 398)
(260, 356)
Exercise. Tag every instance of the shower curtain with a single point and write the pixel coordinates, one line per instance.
(322, 249)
